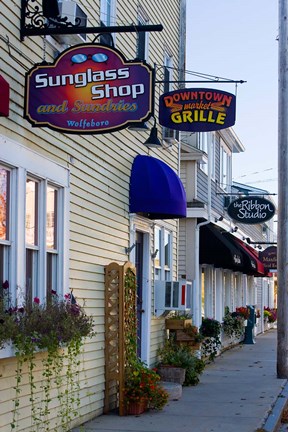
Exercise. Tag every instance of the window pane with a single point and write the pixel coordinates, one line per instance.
(4, 203)
(157, 242)
(31, 276)
(4, 276)
(31, 212)
(51, 282)
(51, 218)
(167, 250)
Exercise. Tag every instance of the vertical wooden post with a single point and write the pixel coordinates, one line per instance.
(282, 258)
(115, 313)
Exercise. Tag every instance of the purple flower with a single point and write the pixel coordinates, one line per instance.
(5, 285)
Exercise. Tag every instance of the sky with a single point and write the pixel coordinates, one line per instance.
(237, 39)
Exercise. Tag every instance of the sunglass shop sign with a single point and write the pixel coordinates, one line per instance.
(197, 109)
(89, 89)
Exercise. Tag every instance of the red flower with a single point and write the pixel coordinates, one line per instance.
(36, 300)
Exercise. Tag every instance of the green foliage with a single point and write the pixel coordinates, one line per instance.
(270, 314)
(211, 331)
(140, 382)
(233, 324)
(57, 329)
(172, 354)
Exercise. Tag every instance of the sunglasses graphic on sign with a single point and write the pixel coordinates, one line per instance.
(82, 58)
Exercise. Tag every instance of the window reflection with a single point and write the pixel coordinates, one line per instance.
(4, 203)
(51, 218)
(31, 212)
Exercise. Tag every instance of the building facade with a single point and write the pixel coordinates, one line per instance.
(70, 202)
(216, 252)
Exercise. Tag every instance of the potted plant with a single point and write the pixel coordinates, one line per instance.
(142, 389)
(271, 314)
(243, 312)
(57, 329)
(178, 364)
(233, 324)
(210, 329)
(178, 321)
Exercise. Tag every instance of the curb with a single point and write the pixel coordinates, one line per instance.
(273, 420)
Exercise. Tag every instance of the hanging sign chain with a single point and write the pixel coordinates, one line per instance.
(44, 49)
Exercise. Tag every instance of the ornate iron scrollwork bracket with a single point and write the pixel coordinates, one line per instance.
(34, 23)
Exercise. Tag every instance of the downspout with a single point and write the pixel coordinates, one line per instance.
(197, 292)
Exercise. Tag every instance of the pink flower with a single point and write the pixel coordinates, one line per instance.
(36, 300)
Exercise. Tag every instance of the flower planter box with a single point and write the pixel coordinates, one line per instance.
(177, 324)
(172, 374)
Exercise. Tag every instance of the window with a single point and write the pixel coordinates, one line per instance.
(163, 260)
(207, 145)
(225, 167)
(107, 19)
(142, 37)
(168, 73)
(51, 240)
(5, 245)
(31, 238)
(33, 226)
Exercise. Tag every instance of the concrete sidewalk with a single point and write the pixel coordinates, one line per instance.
(239, 392)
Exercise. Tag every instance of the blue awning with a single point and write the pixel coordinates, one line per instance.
(155, 190)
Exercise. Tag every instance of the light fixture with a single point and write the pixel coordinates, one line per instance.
(138, 127)
(154, 254)
(219, 219)
(130, 248)
(153, 140)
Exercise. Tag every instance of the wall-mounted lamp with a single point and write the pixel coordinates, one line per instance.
(219, 219)
(153, 140)
(154, 254)
(130, 248)
(235, 229)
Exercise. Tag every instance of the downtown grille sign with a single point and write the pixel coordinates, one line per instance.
(89, 89)
(197, 110)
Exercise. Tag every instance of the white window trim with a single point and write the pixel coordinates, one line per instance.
(144, 20)
(112, 18)
(225, 185)
(23, 161)
(138, 223)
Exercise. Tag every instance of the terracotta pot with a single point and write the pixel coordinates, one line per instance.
(137, 407)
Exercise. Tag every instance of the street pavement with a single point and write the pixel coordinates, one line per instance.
(238, 392)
